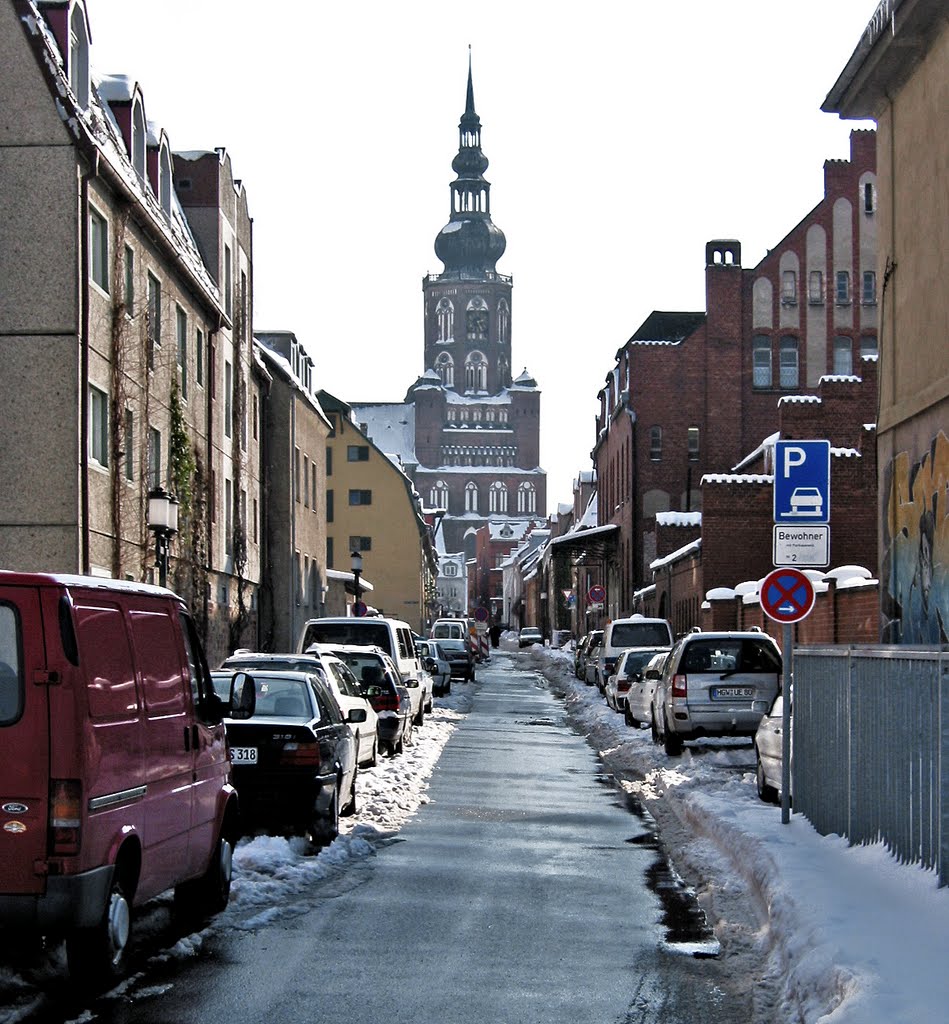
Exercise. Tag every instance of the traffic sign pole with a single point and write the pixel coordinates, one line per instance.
(787, 658)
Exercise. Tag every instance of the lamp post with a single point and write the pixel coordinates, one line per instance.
(163, 522)
(356, 563)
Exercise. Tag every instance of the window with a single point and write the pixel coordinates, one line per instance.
(313, 488)
(228, 399)
(154, 318)
(497, 497)
(329, 461)
(360, 543)
(181, 319)
(296, 473)
(869, 288)
(228, 514)
(154, 457)
(843, 356)
(445, 313)
(445, 368)
(504, 322)
(199, 358)
(129, 297)
(476, 320)
(450, 569)
(357, 497)
(815, 287)
(869, 205)
(788, 370)
(438, 496)
(164, 178)
(526, 498)
(868, 346)
(843, 288)
(357, 453)
(693, 444)
(329, 552)
(138, 138)
(256, 521)
(255, 414)
(98, 426)
(471, 496)
(129, 444)
(761, 361)
(789, 288)
(329, 506)
(655, 444)
(306, 481)
(79, 57)
(99, 249)
(476, 372)
(228, 282)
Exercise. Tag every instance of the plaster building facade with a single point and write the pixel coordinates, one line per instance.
(125, 343)
(294, 435)
(898, 76)
(468, 432)
(373, 509)
(692, 393)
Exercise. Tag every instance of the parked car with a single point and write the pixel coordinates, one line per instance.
(460, 658)
(436, 665)
(715, 684)
(115, 777)
(335, 674)
(621, 634)
(528, 636)
(769, 752)
(293, 761)
(580, 655)
(629, 670)
(640, 696)
(380, 683)
(590, 660)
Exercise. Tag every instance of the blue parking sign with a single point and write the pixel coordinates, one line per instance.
(802, 482)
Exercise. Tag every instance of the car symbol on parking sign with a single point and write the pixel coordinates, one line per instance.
(802, 482)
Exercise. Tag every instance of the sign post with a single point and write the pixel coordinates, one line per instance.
(786, 596)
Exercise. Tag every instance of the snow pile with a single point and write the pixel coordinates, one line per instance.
(850, 936)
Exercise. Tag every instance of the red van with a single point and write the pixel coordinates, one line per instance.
(115, 780)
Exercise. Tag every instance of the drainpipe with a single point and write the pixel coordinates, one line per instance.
(82, 300)
(292, 575)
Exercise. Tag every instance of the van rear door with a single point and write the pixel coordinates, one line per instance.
(24, 736)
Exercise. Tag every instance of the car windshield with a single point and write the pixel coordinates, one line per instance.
(636, 661)
(639, 634)
(452, 645)
(276, 698)
(368, 668)
(731, 655)
(361, 632)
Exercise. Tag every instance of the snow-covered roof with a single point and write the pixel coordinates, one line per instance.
(390, 427)
(686, 549)
(276, 361)
(588, 519)
(799, 400)
(840, 378)
(720, 594)
(503, 397)
(738, 478)
(508, 529)
(766, 445)
(846, 453)
(679, 518)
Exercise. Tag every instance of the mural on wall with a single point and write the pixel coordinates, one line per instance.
(916, 547)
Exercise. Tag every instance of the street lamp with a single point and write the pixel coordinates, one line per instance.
(163, 522)
(356, 563)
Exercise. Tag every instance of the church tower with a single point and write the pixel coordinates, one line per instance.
(468, 305)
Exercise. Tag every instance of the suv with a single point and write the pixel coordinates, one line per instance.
(621, 634)
(715, 684)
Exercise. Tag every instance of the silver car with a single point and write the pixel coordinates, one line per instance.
(769, 752)
(629, 670)
(715, 684)
(640, 696)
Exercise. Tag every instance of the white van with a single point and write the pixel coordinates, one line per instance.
(394, 637)
(621, 634)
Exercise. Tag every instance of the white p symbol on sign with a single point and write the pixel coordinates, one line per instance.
(793, 457)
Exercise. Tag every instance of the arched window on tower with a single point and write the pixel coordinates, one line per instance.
(526, 498)
(445, 368)
(476, 372)
(445, 314)
(438, 496)
(476, 320)
(471, 496)
(504, 322)
(497, 497)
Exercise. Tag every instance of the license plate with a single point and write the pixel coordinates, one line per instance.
(244, 755)
(731, 692)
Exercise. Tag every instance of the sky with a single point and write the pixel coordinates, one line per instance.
(852, 936)
(622, 136)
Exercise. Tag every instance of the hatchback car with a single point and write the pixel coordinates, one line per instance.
(459, 657)
(338, 678)
(715, 684)
(629, 670)
(380, 683)
(590, 659)
(769, 752)
(293, 762)
(640, 696)
(436, 665)
(529, 636)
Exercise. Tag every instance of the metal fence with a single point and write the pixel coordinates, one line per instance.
(870, 747)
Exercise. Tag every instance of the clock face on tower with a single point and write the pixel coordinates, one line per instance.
(477, 325)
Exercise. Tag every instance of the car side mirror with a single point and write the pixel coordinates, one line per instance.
(356, 715)
(411, 683)
(243, 697)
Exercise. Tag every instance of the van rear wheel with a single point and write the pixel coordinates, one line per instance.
(209, 894)
(97, 956)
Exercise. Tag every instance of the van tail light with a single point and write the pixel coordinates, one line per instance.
(622, 685)
(296, 755)
(680, 685)
(65, 816)
(385, 702)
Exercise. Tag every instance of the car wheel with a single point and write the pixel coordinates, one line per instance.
(210, 893)
(766, 792)
(671, 743)
(653, 727)
(420, 717)
(374, 756)
(631, 719)
(326, 827)
(350, 807)
(447, 689)
(96, 956)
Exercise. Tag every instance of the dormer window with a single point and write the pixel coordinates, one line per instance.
(138, 137)
(164, 178)
(79, 56)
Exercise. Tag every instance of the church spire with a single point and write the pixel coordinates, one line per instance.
(470, 244)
